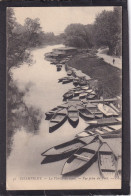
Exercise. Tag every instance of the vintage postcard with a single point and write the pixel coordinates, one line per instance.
(64, 98)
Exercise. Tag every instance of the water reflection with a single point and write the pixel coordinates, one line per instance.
(42, 93)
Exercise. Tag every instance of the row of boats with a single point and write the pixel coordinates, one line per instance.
(91, 112)
(77, 81)
(103, 119)
(82, 152)
(80, 93)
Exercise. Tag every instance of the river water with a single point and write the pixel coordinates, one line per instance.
(44, 93)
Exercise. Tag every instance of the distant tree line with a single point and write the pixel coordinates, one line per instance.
(20, 38)
(106, 31)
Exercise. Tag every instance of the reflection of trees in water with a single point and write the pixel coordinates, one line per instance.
(19, 115)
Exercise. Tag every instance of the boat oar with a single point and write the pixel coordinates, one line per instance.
(84, 158)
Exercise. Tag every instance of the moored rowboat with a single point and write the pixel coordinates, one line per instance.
(73, 115)
(65, 150)
(82, 159)
(107, 110)
(105, 121)
(85, 114)
(68, 95)
(106, 162)
(58, 119)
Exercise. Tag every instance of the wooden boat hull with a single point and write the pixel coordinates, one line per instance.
(73, 115)
(85, 116)
(59, 69)
(61, 79)
(64, 150)
(49, 115)
(58, 125)
(82, 169)
(66, 81)
(68, 96)
(73, 121)
(75, 83)
(106, 162)
(77, 163)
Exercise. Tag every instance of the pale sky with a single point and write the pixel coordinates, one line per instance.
(56, 19)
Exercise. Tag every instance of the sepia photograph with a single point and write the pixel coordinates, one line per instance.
(64, 98)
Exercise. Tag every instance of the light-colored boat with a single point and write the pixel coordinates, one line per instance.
(82, 159)
(107, 110)
(113, 131)
(107, 162)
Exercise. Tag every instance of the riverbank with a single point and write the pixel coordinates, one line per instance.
(109, 77)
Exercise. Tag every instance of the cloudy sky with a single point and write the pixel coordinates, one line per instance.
(55, 19)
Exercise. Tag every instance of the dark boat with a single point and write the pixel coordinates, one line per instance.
(73, 116)
(57, 120)
(67, 80)
(85, 114)
(61, 79)
(82, 82)
(68, 95)
(65, 150)
(50, 113)
(107, 162)
(76, 81)
(69, 72)
(82, 159)
(58, 68)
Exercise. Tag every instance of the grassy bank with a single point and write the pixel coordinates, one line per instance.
(109, 77)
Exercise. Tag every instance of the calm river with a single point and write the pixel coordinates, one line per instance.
(44, 93)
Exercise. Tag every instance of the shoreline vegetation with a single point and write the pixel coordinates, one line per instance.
(22, 39)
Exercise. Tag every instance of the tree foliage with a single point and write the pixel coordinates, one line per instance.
(77, 35)
(107, 29)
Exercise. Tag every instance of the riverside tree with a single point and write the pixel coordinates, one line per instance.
(77, 35)
(107, 30)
